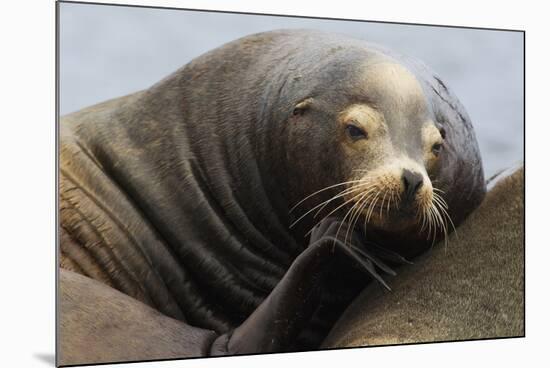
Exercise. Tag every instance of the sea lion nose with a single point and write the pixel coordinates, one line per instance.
(412, 181)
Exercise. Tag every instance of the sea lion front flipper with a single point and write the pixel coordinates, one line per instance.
(279, 319)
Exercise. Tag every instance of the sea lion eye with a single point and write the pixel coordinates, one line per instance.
(355, 132)
(442, 132)
(436, 149)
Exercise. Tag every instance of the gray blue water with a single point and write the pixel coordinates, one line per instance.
(108, 51)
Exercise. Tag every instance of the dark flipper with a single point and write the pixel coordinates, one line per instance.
(275, 324)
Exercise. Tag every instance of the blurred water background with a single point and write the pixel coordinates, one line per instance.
(109, 51)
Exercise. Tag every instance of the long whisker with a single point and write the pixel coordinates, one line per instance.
(351, 223)
(390, 201)
(354, 210)
(336, 209)
(355, 217)
(451, 222)
(438, 190)
(443, 205)
(444, 210)
(422, 215)
(429, 221)
(343, 221)
(322, 190)
(323, 204)
(440, 200)
(373, 204)
(434, 224)
(369, 203)
(433, 227)
(350, 190)
(442, 222)
(348, 201)
(383, 200)
(439, 206)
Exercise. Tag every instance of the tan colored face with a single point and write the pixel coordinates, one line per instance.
(388, 147)
(387, 188)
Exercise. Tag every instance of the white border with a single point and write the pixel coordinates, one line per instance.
(27, 181)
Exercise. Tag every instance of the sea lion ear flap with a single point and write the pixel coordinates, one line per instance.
(301, 107)
(443, 132)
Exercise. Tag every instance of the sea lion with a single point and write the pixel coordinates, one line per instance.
(198, 195)
(478, 290)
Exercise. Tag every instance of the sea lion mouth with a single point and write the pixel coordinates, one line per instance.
(388, 209)
(390, 218)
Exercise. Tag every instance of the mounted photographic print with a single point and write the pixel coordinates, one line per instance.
(236, 184)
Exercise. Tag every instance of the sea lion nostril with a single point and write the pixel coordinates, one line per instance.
(412, 182)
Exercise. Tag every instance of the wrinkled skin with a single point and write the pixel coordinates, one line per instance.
(181, 195)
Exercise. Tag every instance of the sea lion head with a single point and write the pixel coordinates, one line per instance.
(388, 147)
(392, 146)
